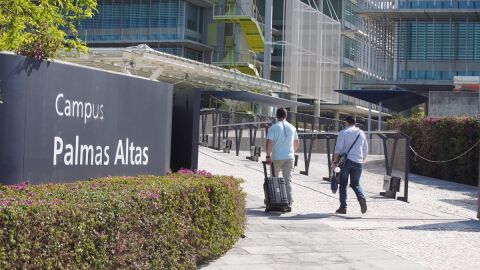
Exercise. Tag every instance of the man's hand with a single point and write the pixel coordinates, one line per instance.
(334, 164)
(335, 159)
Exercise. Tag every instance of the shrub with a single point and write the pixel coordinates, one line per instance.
(442, 138)
(176, 221)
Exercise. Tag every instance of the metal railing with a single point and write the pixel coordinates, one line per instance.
(418, 4)
(232, 57)
(377, 4)
(302, 122)
(307, 122)
(237, 9)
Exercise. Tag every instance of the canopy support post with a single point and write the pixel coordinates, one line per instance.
(369, 124)
(380, 117)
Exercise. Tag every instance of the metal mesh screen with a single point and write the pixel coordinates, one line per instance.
(312, 52)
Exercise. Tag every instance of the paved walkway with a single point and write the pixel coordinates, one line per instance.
(436, 230)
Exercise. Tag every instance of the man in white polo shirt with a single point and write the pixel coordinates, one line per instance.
(282, 142)
(353, 141)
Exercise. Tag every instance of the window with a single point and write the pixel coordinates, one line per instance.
(193, 54)
(350, 49)
(421, 74)
(466, 4)
(422, 4)
(194, 18)
(447, 4)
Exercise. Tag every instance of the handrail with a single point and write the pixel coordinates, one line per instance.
(366, 132)
(217, 11)
(242, 124)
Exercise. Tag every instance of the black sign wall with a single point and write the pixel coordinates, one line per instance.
(62, 122)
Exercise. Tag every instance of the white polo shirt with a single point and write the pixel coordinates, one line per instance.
(345, 139)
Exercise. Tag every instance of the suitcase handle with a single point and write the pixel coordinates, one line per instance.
(272, 169)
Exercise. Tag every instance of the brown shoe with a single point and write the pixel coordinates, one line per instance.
(342, 211)
(363, 205)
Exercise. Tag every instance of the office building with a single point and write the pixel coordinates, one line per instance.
(435, 40)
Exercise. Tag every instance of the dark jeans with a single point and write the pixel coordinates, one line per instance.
(354, 170)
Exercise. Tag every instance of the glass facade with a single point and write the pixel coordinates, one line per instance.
(429, 50)
(438, 4)
(439, 41)
(351, 49)
(146, 21)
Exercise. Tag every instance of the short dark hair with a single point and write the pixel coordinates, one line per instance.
(281, 113)
(350, 120)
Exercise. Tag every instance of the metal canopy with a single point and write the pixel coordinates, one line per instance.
(419, 86)
(254, 97)
(395, 98)
(143, 61)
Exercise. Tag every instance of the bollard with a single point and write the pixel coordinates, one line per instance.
(227, 145)
(258, 152)
(255, 153)
(205, 141)
(391, 185)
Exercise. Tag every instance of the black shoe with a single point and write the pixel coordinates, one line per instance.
(288, 209)
(341, 211)
(363, 205)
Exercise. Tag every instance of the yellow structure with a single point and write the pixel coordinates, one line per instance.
(245, 60)
(251, 28)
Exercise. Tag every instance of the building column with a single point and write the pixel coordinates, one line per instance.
(316, 108)
(294, 98)
(267, 56)
(336, 116)
(478, 197)
(265, 110)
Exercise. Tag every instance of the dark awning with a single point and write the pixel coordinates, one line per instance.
(395, 98)
(254, 97)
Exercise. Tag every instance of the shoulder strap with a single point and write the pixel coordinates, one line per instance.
(353, 143)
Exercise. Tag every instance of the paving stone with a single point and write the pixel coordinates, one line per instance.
(236, 259)
(267, 249)
(249, 266)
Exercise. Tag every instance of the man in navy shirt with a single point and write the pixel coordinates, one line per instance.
(354, 139)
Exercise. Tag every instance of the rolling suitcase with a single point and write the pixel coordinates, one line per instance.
(275, 190)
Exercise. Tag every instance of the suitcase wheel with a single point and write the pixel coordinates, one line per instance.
(267, 210)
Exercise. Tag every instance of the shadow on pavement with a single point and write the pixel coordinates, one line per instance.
(470, 204)
(256, 212)
(457, 226)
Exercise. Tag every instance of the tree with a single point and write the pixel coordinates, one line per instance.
(41, 28)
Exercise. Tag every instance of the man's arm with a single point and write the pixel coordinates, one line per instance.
(365, 147)
(268, 144)
(268, 150)
(338, 148)
(296, 144)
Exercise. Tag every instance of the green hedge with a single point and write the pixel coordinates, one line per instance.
(178, 221)
(442, 138)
